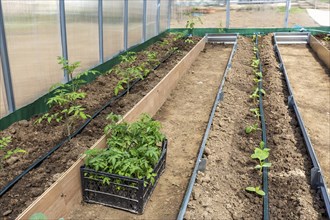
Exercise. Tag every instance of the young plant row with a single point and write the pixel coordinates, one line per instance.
(261, 153)
(64, 104)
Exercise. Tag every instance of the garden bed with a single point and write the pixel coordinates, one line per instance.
(38, 139)
(220, 191)
(63, 195)
(311, 88)
(290, 193)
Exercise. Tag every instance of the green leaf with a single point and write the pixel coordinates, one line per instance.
(250, 189)
(260, 192)
(260, 154)
(248, 130)
(267, 165)
(258, 167)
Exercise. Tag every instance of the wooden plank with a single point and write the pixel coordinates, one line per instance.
(65, 194)
(322, 52)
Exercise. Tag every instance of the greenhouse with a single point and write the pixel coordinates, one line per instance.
(165, 109)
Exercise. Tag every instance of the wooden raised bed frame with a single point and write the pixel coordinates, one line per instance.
(322, 52)
(63, 195)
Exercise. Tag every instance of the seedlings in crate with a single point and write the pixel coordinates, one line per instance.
(256, 190)
(252, 128)
(133, 149)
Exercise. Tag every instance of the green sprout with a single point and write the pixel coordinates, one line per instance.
(251, 128)
(66, 96)
(256, 189)
(256, 112)
(255, 63)
(4, 142)
(189, 41)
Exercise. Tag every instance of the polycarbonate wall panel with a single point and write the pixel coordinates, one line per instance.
(135, 17)
(151, 18)
(163, 15)
(82, 32)
(113, 27)
(3, 100)
(33, 42)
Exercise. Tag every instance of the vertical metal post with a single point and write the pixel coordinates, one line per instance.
(100, 21)
(63, 36)
(227, 13)
(5, 65)
(288, 6)
(125, 24)
(169, 14)
(158, 17)
(144, 20)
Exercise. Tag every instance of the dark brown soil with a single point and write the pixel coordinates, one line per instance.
(325, 43)
(183, 117)
(38, 139)
(229, 168)
(290, 194)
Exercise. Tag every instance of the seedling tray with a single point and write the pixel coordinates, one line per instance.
(124, 193)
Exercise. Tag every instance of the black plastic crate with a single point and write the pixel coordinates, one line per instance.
(124, 193)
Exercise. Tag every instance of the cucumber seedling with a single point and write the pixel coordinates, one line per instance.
(261, 155)
(256, 190)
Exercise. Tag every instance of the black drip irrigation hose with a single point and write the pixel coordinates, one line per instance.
(78, 131)
(217, 100)
(264, 139)
(317, 179)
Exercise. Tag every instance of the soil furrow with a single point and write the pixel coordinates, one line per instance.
(219, 193)
(311, 88)
(290, 194)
